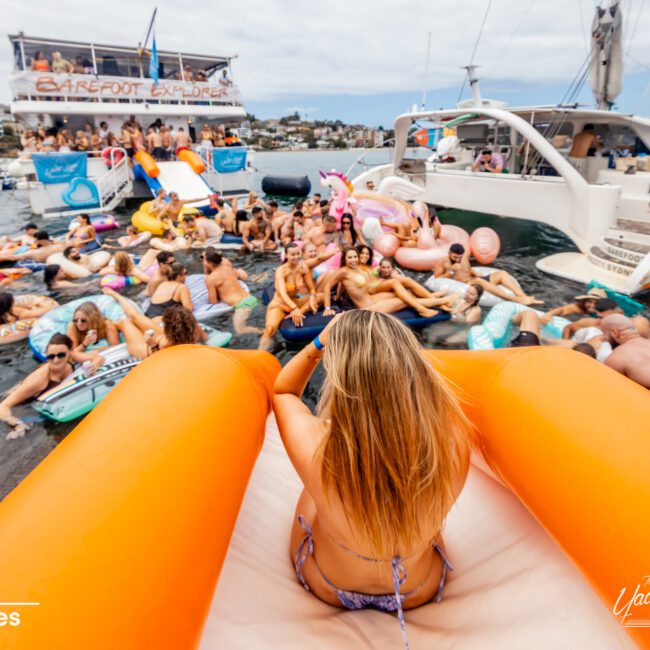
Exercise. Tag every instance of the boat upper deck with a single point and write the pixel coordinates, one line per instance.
(51, 69)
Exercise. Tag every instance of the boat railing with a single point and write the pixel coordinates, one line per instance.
(215, 177)
(367, 165)
(115, 179)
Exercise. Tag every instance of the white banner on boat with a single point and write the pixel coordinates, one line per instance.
(50, 84)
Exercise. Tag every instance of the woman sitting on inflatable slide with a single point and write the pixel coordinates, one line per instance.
(382, 464)
(56, 369)
(356, 283)
(288, 302)
(144, 336)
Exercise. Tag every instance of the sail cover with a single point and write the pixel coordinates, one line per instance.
(606, 73)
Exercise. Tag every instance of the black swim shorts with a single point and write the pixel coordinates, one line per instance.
(525, 339)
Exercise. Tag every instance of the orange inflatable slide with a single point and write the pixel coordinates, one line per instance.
(119, 537)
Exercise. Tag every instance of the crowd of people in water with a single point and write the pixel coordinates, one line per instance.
(305, 283)
(162, 141)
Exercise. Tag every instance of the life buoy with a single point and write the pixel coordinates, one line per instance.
(118, 154)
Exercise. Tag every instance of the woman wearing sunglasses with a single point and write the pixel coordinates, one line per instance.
(56, 369)
(88, 326)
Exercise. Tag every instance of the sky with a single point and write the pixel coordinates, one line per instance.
(360, 61)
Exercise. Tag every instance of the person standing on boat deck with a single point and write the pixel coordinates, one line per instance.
(103, 133)
(157, 150)
(222, 282)
(582, 143)
(488, 161)
(127, 139)
(60, 65)
(370, 186)
(40, 63)
(183, 140)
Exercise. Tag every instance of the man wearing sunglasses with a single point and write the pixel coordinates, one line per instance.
(56, 369)
(164, 259)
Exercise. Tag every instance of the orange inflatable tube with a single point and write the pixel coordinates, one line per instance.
(121, 532)
(571, 439)
(148, 164)
(119, 535)
(193, 160)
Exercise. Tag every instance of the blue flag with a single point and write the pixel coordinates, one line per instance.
(153, 62)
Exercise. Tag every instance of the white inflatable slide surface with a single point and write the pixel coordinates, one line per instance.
(179, 177)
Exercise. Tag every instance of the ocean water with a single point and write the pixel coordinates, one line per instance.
(523, 243)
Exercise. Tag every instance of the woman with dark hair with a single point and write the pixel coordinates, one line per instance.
(55, 278)
(350, 236)
(40, 63)
(241, 216)
(144, 335)
(19, 315)
(84, 235)
(56, 369)
(172, 291)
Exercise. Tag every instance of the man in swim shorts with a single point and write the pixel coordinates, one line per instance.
(458, 267)
(222, 282)
(529, 330)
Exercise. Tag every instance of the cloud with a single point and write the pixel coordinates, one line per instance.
(288, 48)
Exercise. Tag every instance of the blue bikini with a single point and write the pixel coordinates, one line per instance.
(355, 600)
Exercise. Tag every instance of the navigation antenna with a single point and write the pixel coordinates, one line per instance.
(426, 73)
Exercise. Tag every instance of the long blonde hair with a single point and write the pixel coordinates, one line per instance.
(395, 434)
(95, 318)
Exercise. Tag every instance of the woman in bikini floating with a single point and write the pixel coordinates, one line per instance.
(290, 277)
(382, 463)
(357, 283)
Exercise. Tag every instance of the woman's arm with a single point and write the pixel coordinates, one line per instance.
(107, 270)
(327, 289)
(295, 419)
(31, 386)
(281, 290)
(186, 299)
(141, 275)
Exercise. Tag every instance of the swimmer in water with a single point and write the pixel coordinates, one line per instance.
(56, 369)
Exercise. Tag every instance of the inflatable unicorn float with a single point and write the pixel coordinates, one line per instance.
(389, 205)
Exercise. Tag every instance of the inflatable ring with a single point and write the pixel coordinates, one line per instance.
(418, 259)
(118, 155)
(97, 261)
(100, 222)
(145, 222)
(496, 329)
(57, 321)
(116, 281)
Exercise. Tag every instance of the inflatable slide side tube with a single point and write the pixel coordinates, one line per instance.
(193, 160)
(121, 532)
(570, 438)
(147, 163)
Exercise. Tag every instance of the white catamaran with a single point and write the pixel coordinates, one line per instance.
(601, 204)
(112, 84)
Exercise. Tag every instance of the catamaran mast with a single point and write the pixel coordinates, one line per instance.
(606, 74)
